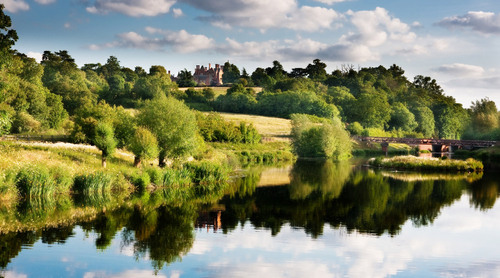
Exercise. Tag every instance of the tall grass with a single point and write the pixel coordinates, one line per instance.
(427, 164)
(95, 183)
(35, 181)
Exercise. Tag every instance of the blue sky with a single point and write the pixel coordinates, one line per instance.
(457, 42)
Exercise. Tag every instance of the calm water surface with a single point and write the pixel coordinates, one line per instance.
(312, 219)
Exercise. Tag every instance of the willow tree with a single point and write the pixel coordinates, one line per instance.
(174, 125)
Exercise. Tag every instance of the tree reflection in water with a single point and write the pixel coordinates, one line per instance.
(320, 193)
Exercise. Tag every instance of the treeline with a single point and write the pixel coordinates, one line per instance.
(51, 96)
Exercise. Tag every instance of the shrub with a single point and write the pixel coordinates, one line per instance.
(316, 137)
(104, 140)
(355, 128)
(141, 181)
(24, 122)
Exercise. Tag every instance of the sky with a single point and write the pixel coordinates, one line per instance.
(456, 42)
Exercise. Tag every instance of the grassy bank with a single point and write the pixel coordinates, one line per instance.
(45, 171)
(489, 156)
(428, 164)
(363, 149)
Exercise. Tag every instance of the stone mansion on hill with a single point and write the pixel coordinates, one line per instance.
(208, 76)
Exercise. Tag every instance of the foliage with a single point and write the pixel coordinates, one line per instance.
(422, 164)
(316, 137)
(174, 126)
(5, 123)
(213, 128)
(35, 181)
(185, 79)
(92, 184)
(105, 140)
(355, 128)
(144, 145)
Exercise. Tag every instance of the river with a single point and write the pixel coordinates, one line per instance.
(311, 219)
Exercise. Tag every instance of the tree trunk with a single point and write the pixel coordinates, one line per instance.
(104, 161)
(137, 161)
(161, 159)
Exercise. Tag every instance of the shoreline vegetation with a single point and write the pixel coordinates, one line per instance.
(427, 164)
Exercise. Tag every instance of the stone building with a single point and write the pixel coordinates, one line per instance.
(208, 76)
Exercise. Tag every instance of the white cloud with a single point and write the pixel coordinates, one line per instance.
(376, 27)
(331, 2)
(481, 22)
(125, 274)
(264, 14)
(37, 56)
(458, 69)
(14, 6)
(45, 2)
(177, 12)
(134, 8)
(12, 274)
(181, 41)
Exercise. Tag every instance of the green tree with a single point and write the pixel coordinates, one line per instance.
(8, 36)
(425, 120)
(185, 79)
(372, 109)
(144, 145)
(231, 73)
(484, 116)
(316, 137)
(402, 118)
(317, 70)
(174, 125)
(105, 140)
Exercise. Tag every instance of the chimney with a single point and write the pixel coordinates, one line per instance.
(209, 66)
(197, 67)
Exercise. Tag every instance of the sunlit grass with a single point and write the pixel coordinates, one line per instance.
(428, 163)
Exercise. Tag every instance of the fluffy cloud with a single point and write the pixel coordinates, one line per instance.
(330, 2)
(181, 41)
(481, 22)
(263, 14)
(377, 27)
(458, 69)
(45, 2)
(35, 55)
(177, 12)
(134, 8)
(14, 6)
(125, 274)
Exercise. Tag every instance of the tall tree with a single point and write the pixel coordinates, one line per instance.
(231, 73)
(8, 36)
(317, 70)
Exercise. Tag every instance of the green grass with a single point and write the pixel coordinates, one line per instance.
(428, 164)
(96, 183)
(35, 181)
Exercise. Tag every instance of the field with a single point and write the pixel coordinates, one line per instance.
(219, 90)
(273, 129)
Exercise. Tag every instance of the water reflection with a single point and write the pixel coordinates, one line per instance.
(321, 195)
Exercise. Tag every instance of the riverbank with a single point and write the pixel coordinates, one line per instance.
(428, 164)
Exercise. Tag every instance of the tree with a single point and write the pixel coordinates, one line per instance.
(276, 71)
(231, 73)
(425, 120)
(8, 36)
(105, 140)
(402, 118)
(174, 125)
(484, 116)
(144, 145)
(317, 137)
(372, 109)
(185, 79)
(317, 70)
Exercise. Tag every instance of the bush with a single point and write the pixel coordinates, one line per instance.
(355, 128)
(144, 145)
(24, 122)
(316, 137)
(141, 181)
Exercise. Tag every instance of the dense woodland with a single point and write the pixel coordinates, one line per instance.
(56, 96)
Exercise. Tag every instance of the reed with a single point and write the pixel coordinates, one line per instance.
(95, 183)
(35, 181)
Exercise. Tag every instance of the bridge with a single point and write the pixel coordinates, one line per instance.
(433, 145)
